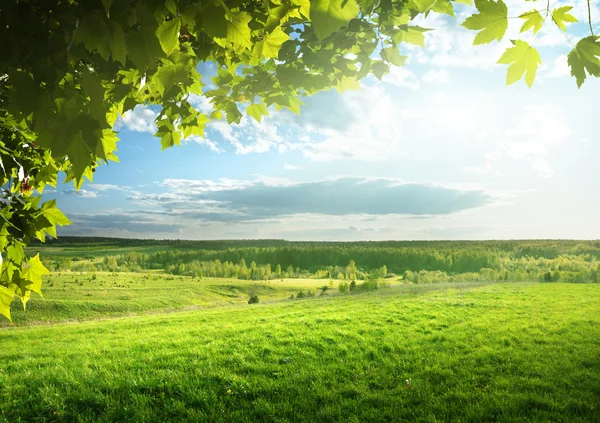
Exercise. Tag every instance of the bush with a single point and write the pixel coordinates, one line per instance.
(343, 287)
(253, 299)
(352, 285)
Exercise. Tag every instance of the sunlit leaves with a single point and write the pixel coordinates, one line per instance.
(99, 35)
(238, 31)
(270, 45)
(142, 44)
(167, 134)
(424, 5)
(328, 16)
(491, 21)
(410, 34)
(585, 57)
(6, 298)
(392, 55)
(533, 20)
(561, 15)
(522, 59)
(53, 214)
(257, 111)
(168, 35)
(32, 272)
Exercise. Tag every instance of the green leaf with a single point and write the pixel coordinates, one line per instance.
(424, 5)
(215, 22)
(117, 43)
(585, 56)
(238, 31)
(533, 19)
(33, 271)
(560, 15)
(6, 299)
(15, 253)
(492, 20)
(196, 127)
(410, 34)
(257, 111)
(108, 145)
(92, 85)
(328, 16)
(392, 55)
(304, 7)
(92, 32)
(379, 68)
(523, 59)
(168, 35)
(443, 6)
(143, 46)
(107, 4)
(270, 45)
(347, 83)
(172, 73)
(167, 133)
(169, 138)
(53, 214)
(367, 6)
(233, 113)
(171, 7)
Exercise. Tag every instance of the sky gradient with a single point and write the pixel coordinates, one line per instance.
(440, 149)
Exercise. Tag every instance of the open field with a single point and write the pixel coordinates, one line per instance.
(495, 353)
(78, 296)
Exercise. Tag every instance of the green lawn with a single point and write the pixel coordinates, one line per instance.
(494, 353)
(77, 296)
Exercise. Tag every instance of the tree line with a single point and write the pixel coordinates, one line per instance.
(418, 262)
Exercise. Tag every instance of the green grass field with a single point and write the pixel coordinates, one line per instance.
(488, 353)
(74, 296)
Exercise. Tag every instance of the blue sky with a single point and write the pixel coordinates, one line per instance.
(440, 149)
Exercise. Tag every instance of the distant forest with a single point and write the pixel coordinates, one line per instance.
(415, 261)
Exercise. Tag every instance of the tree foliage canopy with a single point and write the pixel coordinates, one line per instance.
(69, 68)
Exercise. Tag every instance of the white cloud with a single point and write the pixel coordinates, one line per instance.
(288, 166)
(479, 170)
(402, 77)
(558, 68)
(248, 136)
(81, 193)
(109, 187)
(201, 103)
(140, 119)
(203, 141)
(436, 76)
(371, 129)
(530, 140)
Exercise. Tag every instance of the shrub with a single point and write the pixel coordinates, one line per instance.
(253, 299)
(352, 286)
(343, 287)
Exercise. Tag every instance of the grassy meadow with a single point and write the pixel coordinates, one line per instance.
(506, 352)
(75, 296)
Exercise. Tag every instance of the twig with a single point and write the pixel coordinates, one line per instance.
(590, 17)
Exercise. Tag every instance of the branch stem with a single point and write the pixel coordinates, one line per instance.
(590, 16)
